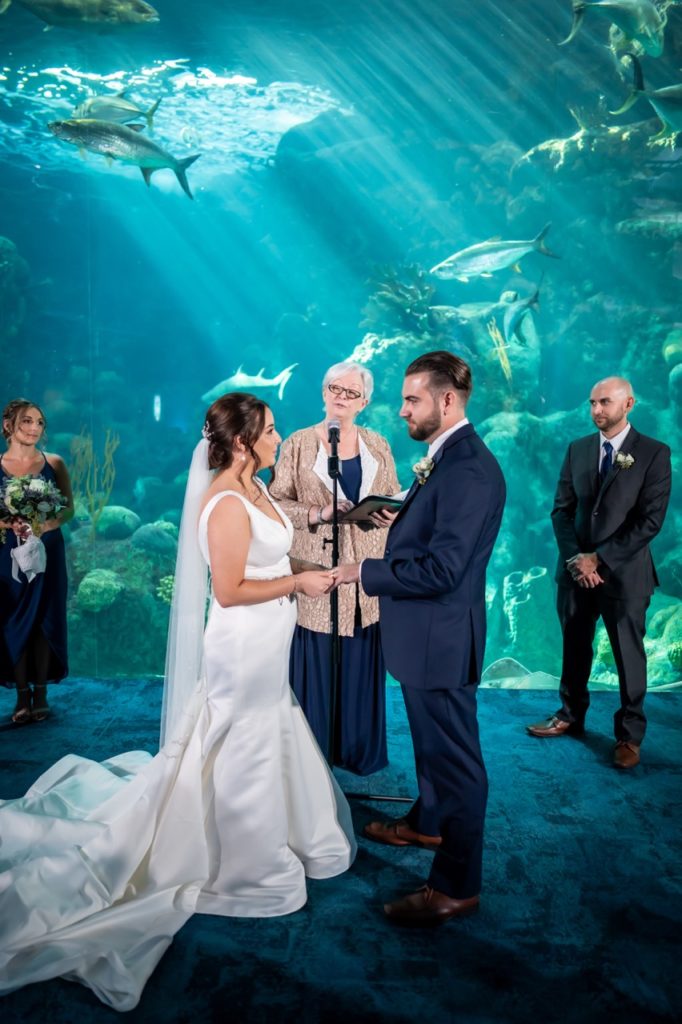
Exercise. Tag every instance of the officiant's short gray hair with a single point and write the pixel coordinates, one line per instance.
(341, 369)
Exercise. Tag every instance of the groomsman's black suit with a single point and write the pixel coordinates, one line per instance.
(616, 518)
(431, 589)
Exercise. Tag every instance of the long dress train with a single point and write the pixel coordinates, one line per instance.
(100, 864)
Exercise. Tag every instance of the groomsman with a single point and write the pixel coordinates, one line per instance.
(610, 503)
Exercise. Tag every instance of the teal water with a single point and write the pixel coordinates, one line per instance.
(345, 149)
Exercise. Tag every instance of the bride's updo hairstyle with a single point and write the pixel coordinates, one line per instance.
(232, 416)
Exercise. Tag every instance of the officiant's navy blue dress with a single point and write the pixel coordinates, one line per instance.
(360, 740)
(28, 610)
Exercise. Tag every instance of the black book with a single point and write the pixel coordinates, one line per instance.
(361, 512)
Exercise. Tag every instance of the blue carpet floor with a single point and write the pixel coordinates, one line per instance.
(581, 913)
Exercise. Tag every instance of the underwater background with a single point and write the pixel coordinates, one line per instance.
(346, 148)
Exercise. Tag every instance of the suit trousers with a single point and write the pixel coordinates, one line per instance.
(625, 622)
(453, 784)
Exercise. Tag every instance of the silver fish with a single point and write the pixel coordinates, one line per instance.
(117, 109)
(97, 14)
(240, 381)
(667, 102)
(484, 258)
(119, 142)
(639, 20)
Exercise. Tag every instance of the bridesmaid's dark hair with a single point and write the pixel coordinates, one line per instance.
(232, 416)
(13, 410)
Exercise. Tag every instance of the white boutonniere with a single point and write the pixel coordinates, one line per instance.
(624, 460)
(422, 469)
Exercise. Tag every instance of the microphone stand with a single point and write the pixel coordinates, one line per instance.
(333, 438)
(335, 656)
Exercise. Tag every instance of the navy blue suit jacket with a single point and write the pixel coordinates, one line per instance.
(431, 581)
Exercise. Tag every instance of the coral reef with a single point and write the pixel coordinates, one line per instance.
(116, 522)
(98, 590)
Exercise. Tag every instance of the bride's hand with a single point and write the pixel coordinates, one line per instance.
(314, 584)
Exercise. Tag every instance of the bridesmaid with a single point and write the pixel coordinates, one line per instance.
(303, 489)
(32, 615)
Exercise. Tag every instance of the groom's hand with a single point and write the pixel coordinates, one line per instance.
(346, 574)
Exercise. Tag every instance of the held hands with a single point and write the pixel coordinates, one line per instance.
(583, 569)
(313, 584)
(346, 574)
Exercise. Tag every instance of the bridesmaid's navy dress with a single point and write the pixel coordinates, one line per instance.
(29, 609)
(360, 741)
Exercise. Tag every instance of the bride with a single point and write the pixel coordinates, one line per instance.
(100, 864)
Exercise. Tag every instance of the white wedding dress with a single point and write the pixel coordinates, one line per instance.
(100, 864)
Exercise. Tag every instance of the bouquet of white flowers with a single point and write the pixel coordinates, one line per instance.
(35, 500)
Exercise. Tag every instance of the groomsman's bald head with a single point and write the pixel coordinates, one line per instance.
(611, 399)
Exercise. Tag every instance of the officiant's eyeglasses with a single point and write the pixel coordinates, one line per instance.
(350, 393)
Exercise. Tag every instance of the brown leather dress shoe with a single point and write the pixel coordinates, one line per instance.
(554, 726)
(397, 832)
(626, 754)
(428, 907)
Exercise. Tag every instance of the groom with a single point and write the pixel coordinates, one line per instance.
(431, 587)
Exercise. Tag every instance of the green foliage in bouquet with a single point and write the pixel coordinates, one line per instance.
(31, 498)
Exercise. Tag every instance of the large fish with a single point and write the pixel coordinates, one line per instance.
(484, 258)
(639, 20)
(240, 381)
(118, 142)
(116, 108)
(667, 102)
(97, 14)
(516, 312)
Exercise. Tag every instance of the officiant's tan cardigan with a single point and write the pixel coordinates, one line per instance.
(301, 480)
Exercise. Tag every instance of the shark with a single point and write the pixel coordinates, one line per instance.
(667, 102)
(516, 312)
(241, 381)
(640, 21)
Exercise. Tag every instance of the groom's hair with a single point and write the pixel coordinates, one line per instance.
(445, 371)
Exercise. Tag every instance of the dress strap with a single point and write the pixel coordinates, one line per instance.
(45, 463)
(210, 505)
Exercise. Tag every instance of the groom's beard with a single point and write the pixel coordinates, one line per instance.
(426, 429)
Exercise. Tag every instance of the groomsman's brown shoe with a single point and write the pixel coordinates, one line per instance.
(398, 832)
(427, 907)
(554, 726)
(626, 754)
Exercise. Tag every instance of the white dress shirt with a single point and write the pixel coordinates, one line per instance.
(439, 441)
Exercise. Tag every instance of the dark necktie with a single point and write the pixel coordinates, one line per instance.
(607, 460)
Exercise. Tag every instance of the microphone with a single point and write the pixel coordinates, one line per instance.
(333, 436)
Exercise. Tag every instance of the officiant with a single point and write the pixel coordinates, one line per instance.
(304, 489)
